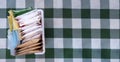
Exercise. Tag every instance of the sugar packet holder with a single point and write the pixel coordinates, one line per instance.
(10, 43)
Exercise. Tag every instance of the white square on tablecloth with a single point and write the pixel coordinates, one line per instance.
(76, 4)
(39, 4)
(96, 60)
(76, 23)
(2, 60)
(19, 60)
(95, 4)
(95, 23)
(114, 60)
(77, 43)
(3, 3)
(114, 24)
(114, 4)
(3, 23)
(2, 43)
(58, 22)
(58, 60)
(77, 60)
(58, 3)
(40, 60)
(58, 43)
(96, 43)
(114, 43)
(20, 3)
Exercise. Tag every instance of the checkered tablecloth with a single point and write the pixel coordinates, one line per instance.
(75, 30)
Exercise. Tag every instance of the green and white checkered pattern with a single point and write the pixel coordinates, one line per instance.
(75, 30)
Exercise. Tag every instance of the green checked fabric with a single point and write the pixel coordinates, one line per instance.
(75, 30)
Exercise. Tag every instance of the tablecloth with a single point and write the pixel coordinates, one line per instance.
(75, 30)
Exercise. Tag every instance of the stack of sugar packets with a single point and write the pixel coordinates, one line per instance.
(26, 31)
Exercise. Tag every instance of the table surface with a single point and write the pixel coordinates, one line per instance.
(75, 30)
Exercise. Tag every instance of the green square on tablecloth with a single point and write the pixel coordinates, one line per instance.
(86, 53)
(105, 33)
(8, 54)
(67, 33)
(105, 53)
(68, 53)
(48, 13)
(86, 33)
(49, 53)
(67, 13)
(49, 33)
(30, 56)
(104, 13)
(85, 13)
